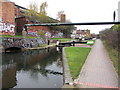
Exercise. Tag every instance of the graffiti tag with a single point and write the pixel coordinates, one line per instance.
(33, 33)
(7, 28)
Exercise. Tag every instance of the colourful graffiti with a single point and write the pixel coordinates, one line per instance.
(7, 28)
(57, 34)
(39, 33)
(32, 33)
(48, 34)
(21, 43)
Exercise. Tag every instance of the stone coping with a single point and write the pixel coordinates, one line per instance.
(66, 75)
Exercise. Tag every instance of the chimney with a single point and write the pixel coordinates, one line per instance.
(63, 18)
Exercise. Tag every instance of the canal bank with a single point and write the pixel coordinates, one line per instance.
(73, 60)
(66, 71)
(76, 57)
(45, 47)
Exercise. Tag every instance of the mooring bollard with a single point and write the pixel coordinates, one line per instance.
(73, 43)
(57, 42)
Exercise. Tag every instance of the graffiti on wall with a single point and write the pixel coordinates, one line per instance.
(32, 33)
(21, 43)
(40, 33)
(57, 34)
(48, 34)
(7, 28)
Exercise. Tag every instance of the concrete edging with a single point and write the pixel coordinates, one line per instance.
(66, 72)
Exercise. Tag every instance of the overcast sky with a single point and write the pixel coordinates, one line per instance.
(80, 10)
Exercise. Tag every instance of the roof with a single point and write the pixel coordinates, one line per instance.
(20, 6)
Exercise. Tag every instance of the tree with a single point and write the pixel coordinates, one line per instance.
(59, 14)
(66, 30)
(110, 36)
(41, 17)
(33, 6)
(43, 7)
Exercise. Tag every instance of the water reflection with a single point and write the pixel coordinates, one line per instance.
(9, 76)
(33, 68)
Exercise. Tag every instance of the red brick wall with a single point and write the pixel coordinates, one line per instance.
(20, 22)
(36, 28)
(40, 31)
(17, 12)
(8, 12)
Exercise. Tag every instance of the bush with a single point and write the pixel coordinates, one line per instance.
(110, 38)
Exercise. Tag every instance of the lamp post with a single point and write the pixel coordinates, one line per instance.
(114, 16)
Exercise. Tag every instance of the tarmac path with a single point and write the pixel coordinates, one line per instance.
(98, 70)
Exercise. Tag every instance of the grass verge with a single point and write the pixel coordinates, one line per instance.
(76, 57)
(43, 45)
(17, 36)
(62, 39)
(113, 54)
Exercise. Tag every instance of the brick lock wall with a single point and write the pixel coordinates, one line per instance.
(8, 12)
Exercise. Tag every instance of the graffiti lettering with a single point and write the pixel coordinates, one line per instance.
(7, 28)
(40, 33)
(48, 34)
(57, 35)
(33, 33)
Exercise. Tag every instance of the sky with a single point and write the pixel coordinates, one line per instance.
(78, 11)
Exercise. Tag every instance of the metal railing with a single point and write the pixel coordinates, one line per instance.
(82, 23)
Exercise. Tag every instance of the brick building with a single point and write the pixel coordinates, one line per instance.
(20, 22)
(8, 12)
(83, 33)
(63, 18)
(7, 17)
(12, 20)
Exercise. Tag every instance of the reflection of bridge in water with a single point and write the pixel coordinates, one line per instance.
(48, 71)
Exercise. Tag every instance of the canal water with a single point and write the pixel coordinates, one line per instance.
(32, 69)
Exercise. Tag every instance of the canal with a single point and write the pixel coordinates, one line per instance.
(32, 69)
